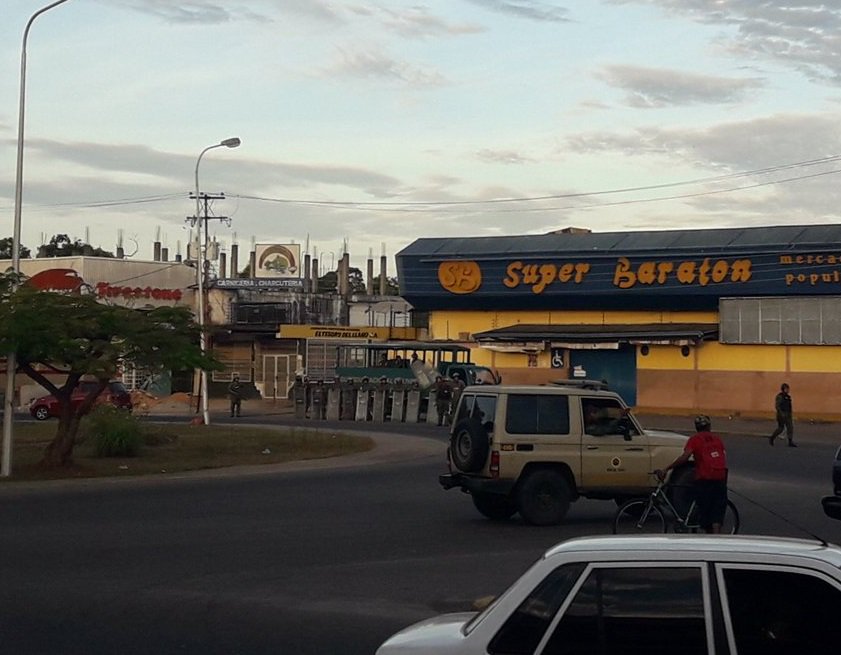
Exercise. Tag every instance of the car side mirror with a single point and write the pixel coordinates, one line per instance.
(832, 506)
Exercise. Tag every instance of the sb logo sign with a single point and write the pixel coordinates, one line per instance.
(460, 277)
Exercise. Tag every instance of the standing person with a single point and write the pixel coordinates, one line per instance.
(235, 395)
(710, 487)
(443, 396)
(458, 387)
(785, 418)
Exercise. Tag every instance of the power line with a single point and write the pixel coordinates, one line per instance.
(412, 206)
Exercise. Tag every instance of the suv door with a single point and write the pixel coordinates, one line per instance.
(608, 460)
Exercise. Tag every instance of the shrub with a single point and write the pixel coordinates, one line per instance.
(114, 432)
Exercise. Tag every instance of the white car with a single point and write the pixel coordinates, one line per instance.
(653, 595)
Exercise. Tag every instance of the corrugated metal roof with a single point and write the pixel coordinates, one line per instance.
(719, 239)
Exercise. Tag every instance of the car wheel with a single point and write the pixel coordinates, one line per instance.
(41, 413)
(543, 497)
(469, 446)
(496, 507)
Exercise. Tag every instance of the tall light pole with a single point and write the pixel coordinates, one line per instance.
(11, 358)
(200, 270)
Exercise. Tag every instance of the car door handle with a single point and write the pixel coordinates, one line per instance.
(639, 448)
(592, 447)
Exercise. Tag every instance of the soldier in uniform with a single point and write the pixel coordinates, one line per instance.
(443, 396)
(458, 387)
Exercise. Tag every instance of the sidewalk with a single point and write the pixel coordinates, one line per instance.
(184, 405)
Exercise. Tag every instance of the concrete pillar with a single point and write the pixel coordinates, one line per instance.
(234, 263)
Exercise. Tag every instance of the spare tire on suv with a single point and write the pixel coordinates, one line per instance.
(469, 445)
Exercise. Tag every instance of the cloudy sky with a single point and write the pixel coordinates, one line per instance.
(376, 123)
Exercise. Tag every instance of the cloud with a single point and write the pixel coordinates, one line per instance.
(414, 22)
(374, 64)
(531, 9)
(768, 143)
(656, 87)
(502, 156)
(802, 36)
(210, 13)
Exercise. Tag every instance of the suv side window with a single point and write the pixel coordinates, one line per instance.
(478, 407)
(777, 612)
(625, 611)
(601, 416)
(536, 414)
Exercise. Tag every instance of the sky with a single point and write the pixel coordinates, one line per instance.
(367, 125)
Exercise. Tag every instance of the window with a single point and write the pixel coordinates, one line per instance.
(602, 416)
(634, 611)
(776, 612)
(534, 414)
(482, 408)
(524, 629)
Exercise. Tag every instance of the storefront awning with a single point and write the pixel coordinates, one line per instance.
(597, 336)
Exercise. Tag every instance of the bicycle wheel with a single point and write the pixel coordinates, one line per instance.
(636, 517)
(731, 519)
(730, 525)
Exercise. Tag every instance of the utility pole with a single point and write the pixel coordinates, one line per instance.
(202, 266)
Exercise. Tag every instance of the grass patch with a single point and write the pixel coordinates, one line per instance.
(173, 448)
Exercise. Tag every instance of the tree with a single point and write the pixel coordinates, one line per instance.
(61, 245)
(392, 286)
(75, 335)
(6, 249)
(327, 282)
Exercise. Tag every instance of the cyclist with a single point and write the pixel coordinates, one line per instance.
(710, 488)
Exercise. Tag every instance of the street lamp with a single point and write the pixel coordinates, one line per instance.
(200, 266)
(11, 358)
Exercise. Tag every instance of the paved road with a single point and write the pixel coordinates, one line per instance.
(302, 561)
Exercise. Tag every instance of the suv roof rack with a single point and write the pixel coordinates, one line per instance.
(595, 385)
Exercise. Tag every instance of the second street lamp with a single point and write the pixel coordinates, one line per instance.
(200, 272)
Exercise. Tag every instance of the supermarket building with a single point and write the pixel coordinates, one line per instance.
(707, 320)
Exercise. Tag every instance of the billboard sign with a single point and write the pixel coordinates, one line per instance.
(277, 260)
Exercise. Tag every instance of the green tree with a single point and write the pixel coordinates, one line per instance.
(392, 286)
(61, 245)
(6, 249)
(75, 335)
(327, 282)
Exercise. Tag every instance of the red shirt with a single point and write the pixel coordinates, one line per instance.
(710, 457)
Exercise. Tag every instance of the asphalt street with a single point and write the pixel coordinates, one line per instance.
(323, 557)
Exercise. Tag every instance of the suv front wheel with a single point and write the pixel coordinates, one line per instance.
(543, 497)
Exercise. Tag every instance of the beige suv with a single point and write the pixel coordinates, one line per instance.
(535, 449)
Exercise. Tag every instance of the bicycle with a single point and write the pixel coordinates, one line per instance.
(657, 514)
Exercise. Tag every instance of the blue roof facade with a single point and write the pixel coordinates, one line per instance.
(669, 269)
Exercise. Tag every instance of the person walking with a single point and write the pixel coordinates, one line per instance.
(235, 395)
(710, 487)
(785, 417)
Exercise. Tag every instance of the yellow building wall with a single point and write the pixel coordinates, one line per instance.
(714, 378)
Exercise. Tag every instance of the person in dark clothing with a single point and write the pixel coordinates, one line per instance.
(710, 488)
(785, 417)
(235, 395)
(443, 394)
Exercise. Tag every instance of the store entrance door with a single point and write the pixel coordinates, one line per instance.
(278, 374)
(618, 367)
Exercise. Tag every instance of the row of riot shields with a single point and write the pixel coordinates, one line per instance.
(381, 401)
